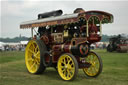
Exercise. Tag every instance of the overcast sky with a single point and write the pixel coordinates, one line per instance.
(13, 12)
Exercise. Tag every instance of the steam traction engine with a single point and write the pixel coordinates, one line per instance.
(63, 42)
(118, 43)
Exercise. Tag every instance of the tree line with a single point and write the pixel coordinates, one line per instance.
(15, 39)
(105, 38)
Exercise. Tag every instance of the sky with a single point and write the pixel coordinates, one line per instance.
(13, 12)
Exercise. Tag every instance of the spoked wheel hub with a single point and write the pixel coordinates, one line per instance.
(67, 66)
(95, 67)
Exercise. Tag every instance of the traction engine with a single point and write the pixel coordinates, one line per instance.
(63, 42)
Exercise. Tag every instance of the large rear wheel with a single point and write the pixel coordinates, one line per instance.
(33, 57)
(67, 66)
(95, 65)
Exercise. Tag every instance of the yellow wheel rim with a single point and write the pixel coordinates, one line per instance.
(95, 65)
(32, 56)
(66, 67)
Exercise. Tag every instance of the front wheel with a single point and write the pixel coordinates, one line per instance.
(95, 65)
(67, 66)
(33, 57)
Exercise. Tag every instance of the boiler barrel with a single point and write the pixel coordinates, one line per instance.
(80, 50)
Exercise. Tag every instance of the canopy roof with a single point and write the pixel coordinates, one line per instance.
(104, 17)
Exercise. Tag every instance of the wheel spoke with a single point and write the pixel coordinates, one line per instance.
(68, 73)
(64, 73)
(33, 65)
(88, 58)
(95, 69)
(69, 62)
(64, 61)
(30, 51)
(36, 66)
(94, 58)
(36, 49)
(33, 45)
(62, 66)
(36, 61)
(37, 54)
(97, 63)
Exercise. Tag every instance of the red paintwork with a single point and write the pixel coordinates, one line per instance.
(81, 47)
(99, 12)
(123, 44)
(94, 38)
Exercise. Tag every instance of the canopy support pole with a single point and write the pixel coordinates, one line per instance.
(32, 32)
(100, 28)
(87, 29)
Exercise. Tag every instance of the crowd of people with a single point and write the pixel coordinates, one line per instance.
(100, 45)
(18, 47)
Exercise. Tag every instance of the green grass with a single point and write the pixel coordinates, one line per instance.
(10, 56)
(13, 71)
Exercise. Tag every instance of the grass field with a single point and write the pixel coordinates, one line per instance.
(13, 71)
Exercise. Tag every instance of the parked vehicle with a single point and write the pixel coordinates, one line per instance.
(118, 43)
